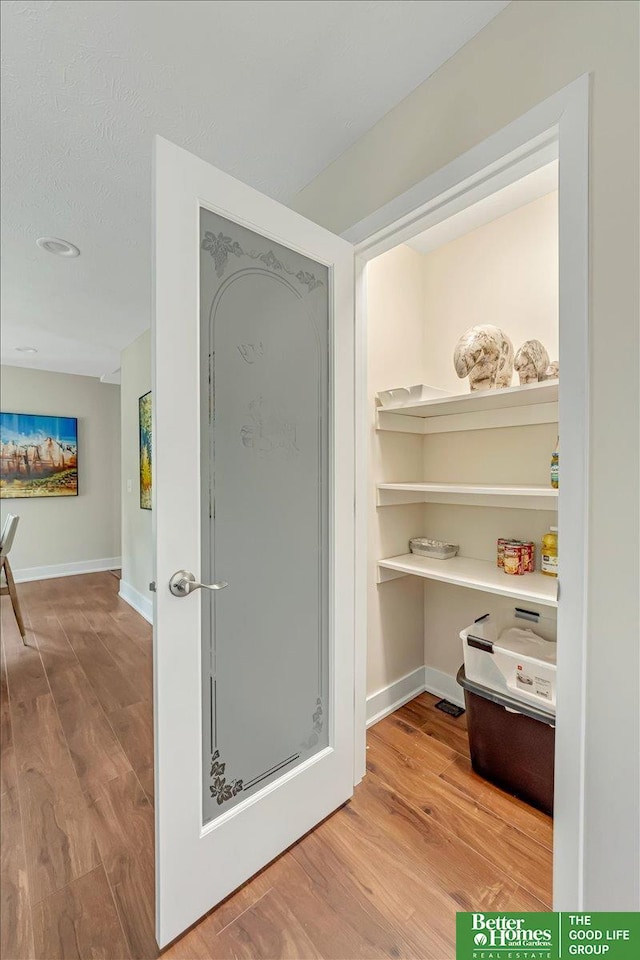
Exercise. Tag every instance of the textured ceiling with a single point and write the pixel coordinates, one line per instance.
(270, 91)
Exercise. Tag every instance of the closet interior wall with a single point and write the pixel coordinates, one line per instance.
(503, 273)
(396, 344)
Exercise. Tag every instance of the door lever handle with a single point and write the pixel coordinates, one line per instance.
(182, 583)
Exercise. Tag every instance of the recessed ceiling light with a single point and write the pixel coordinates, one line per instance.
(26, 349)
(61, 248)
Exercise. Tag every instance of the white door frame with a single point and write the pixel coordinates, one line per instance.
(557, 127)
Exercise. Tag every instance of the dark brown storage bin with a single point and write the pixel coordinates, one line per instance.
(514, 750)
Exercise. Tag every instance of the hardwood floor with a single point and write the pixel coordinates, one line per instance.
(381, 878)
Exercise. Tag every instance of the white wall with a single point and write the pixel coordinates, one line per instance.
(396, 331)
(137, 538)
(509, 455)
(526, 53)
(61, 535)
(504, 273)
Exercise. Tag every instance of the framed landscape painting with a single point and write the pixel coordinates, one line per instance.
(144, 418)
(38, 456)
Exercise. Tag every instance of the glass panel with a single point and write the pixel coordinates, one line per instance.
(265, 416)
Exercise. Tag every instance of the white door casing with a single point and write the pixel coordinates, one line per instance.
(200, 860)
(556, 128)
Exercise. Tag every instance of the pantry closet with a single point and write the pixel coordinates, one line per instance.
(464, 467)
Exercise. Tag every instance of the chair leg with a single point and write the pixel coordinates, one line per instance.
(15, 603)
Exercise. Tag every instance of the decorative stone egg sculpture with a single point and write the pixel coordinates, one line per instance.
(484, 354)
(531, 361)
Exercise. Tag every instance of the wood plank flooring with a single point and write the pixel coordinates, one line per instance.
(383, 877)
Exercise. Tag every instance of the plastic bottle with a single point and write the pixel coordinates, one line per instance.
(555, 465)
(550, 553)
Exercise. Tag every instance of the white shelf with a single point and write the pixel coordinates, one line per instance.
(469, 494)
(476, 574)
(477, 410)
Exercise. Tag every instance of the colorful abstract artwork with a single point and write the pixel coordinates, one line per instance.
(144, 417)
(38, 456)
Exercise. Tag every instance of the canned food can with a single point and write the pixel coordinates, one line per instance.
(502, 542)
(514, 559)
(530, 556)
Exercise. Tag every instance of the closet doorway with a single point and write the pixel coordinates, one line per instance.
(499, 236)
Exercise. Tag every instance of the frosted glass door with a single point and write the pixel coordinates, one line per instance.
(253, 487)
(264, 386)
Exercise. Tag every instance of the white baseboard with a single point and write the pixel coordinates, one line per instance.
(143, 605)
(385, 701)
(443, 685)
(66, 569)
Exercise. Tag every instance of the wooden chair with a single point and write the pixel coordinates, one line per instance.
(6, 542)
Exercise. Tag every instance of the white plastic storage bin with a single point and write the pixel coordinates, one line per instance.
(514, 653)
